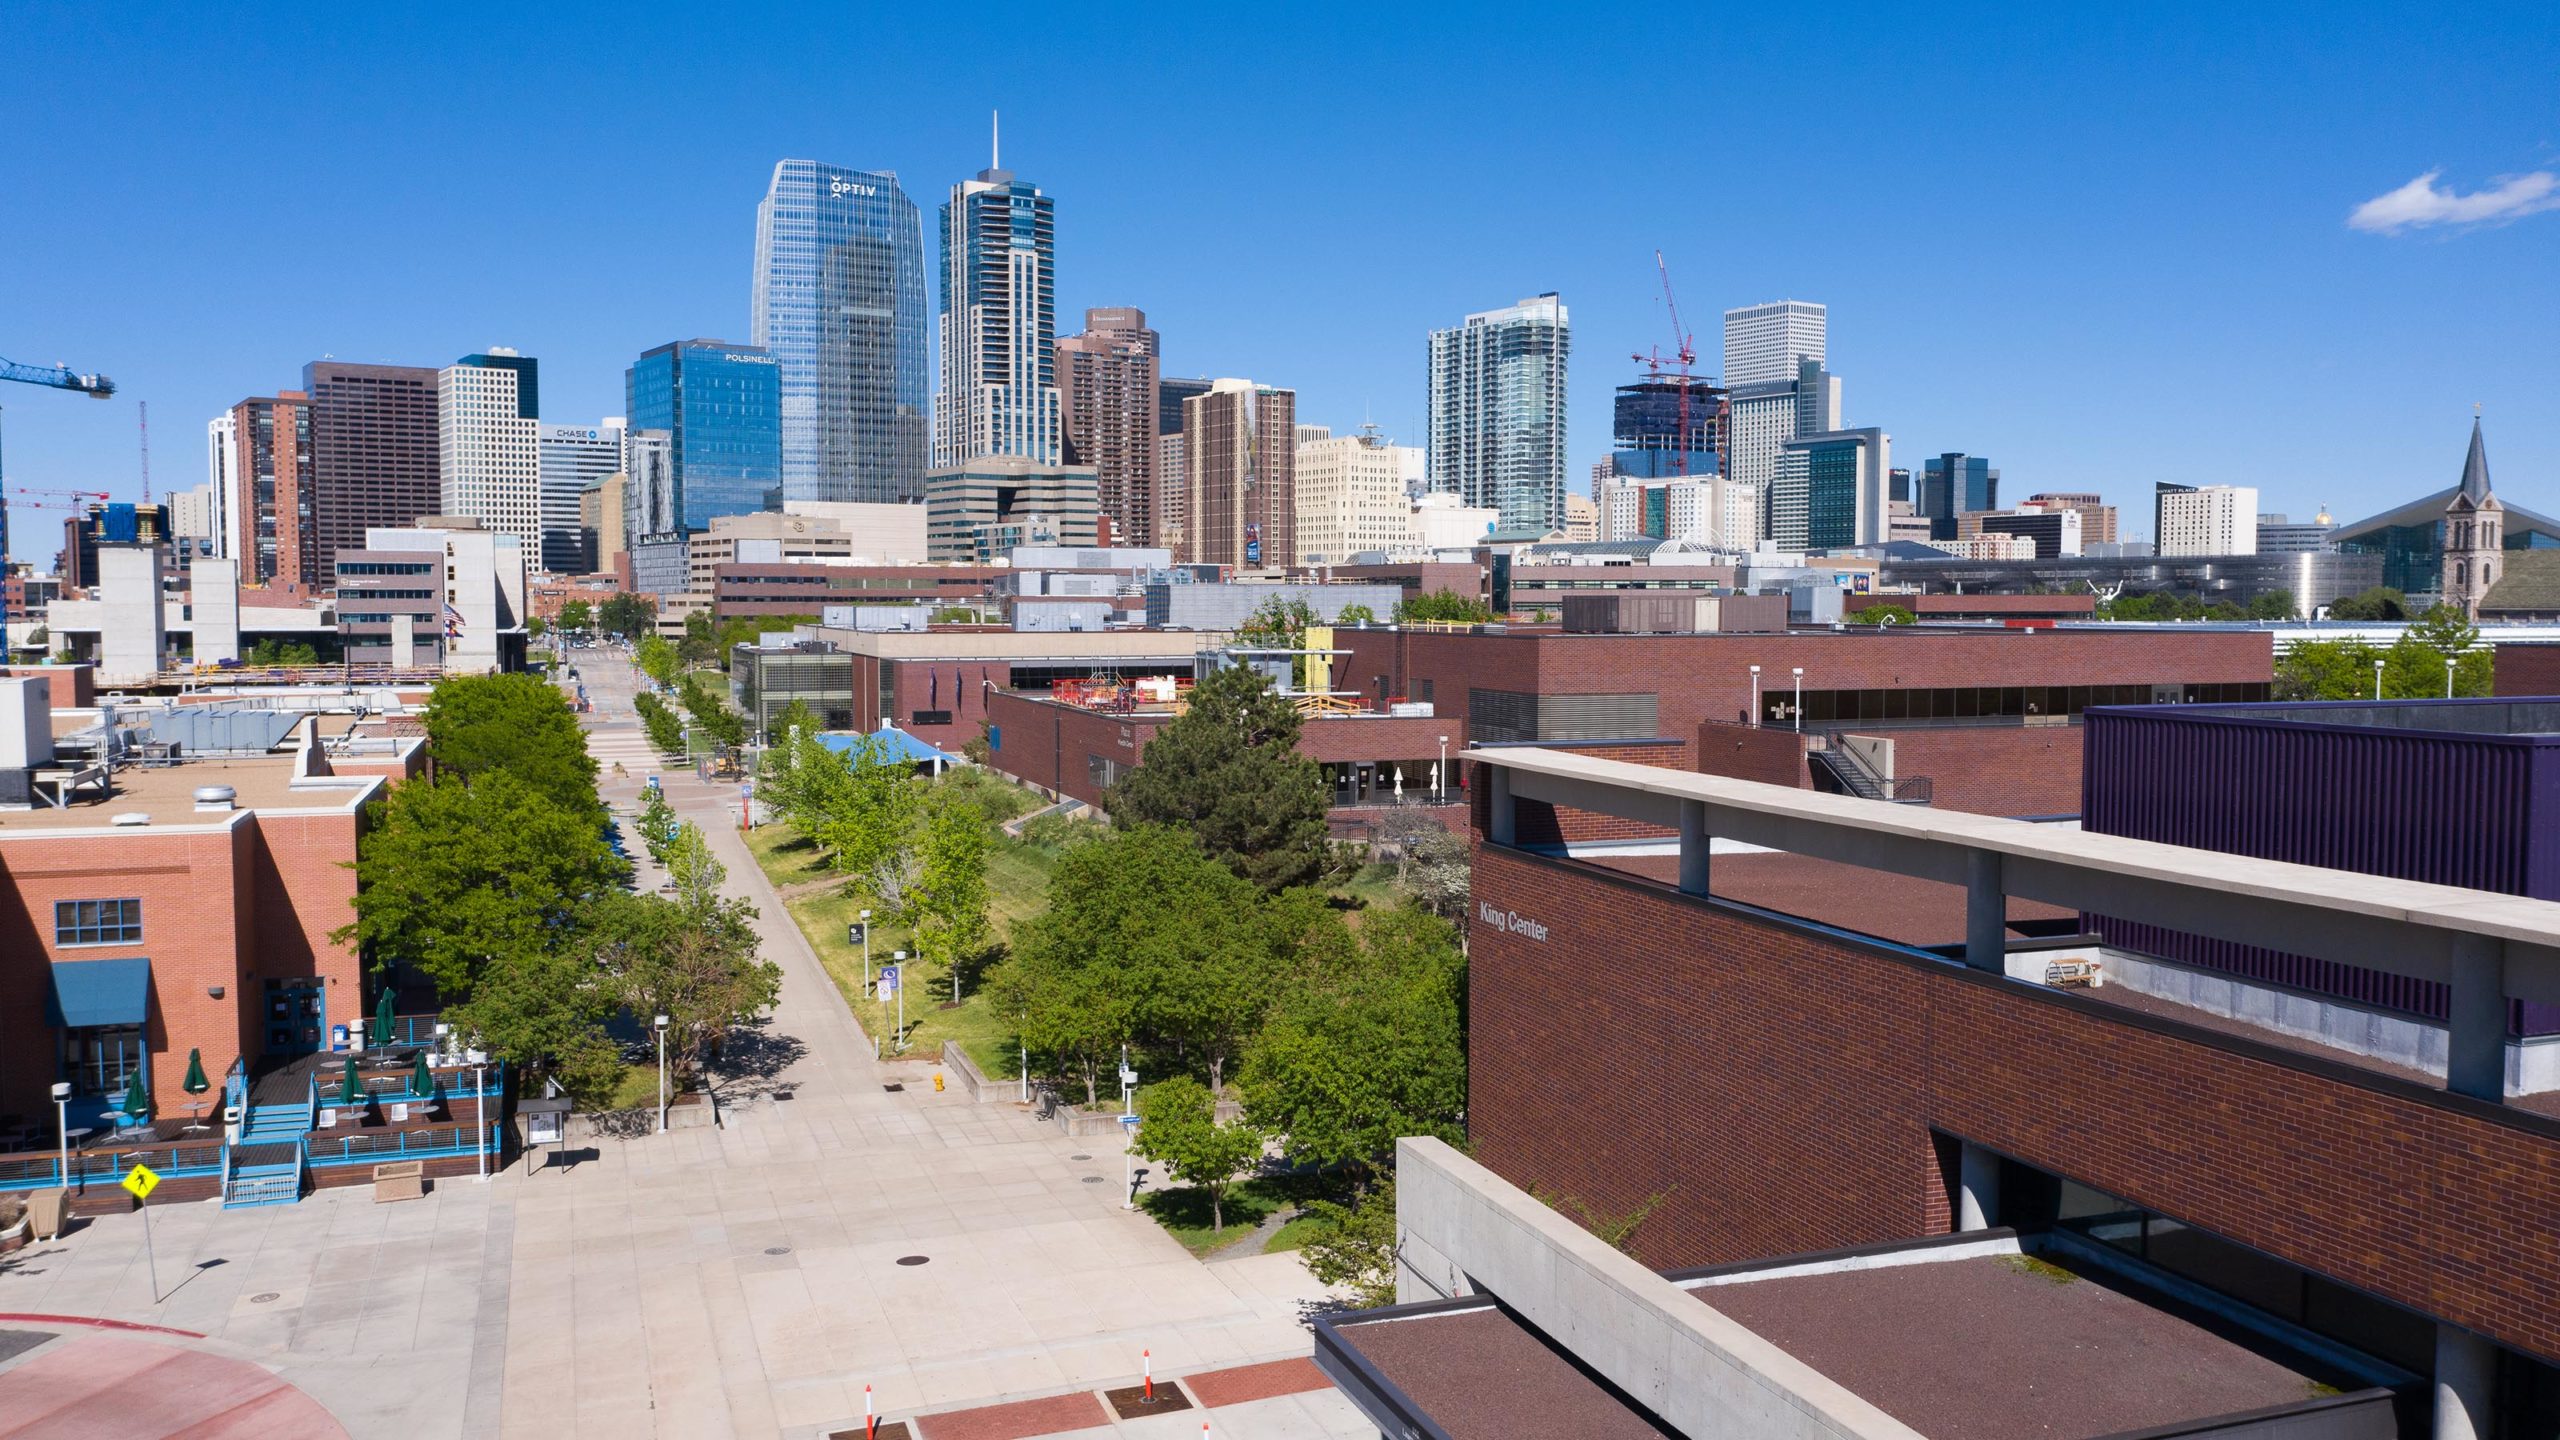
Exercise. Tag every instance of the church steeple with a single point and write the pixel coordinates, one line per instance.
(2473, 522)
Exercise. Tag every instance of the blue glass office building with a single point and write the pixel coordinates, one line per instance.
(839, 303)
(721, 406)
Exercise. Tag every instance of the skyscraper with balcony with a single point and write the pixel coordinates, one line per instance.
(1107, 390)
(999, 392)
(706, 435)
(489, 467)
(839, 304)
(1241, 502)
(1497, 411)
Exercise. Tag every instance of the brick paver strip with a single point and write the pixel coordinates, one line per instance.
(1255, 1382)
(1017, 1421)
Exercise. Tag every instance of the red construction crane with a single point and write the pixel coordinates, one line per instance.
(1677, 369)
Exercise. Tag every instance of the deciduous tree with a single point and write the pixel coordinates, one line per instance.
(481, 724)
(1178, 1124)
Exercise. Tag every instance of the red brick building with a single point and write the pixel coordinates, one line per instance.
(1775, 1082)
(2528, 669)
(1987, 717)
(1078, 752)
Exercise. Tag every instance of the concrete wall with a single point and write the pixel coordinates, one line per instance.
(130, 633)
(1676, 1356)
(213, 603)
(1994, 769)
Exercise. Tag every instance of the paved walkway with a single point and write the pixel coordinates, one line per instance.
(744, 1281)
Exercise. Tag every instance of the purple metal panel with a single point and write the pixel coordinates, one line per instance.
(2447, 807)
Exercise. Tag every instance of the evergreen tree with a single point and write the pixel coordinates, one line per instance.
(1228, 770)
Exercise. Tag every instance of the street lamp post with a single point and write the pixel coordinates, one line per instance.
(866, 952)
(662, 1074)
(1799, 699)
(901, 987)
(1755, 697)
(1440, 777)
(2448, 677)
(2377, 679)
(62, 1126)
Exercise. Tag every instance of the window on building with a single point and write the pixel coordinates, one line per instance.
(101, 1059)
(97, 922)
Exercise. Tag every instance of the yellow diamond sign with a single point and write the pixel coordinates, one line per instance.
(142, 1180)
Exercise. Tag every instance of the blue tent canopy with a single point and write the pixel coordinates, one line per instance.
(100, 992)
(897, 744)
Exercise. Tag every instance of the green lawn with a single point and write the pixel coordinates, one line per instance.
(1372, 885)
(1018, 888)
(1184, 1213)
(1296, 1233)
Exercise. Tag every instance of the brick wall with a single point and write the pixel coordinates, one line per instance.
(1051, 745)
(1749, 752)
(2521, 669)
(1994, 769)
(1788, 1090)
(1539, 823)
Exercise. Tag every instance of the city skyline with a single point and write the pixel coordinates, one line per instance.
(2094, 271)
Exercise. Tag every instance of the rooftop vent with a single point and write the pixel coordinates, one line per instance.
(215, 797)
(131, 817)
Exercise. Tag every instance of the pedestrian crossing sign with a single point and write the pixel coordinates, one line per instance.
(142, 1180)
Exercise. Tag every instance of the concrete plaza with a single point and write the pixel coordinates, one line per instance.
(740, 1281)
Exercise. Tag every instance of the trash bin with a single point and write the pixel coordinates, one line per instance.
(337, 1038)
(45, 1210)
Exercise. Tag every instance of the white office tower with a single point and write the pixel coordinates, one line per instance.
(489, 465)
(572, 457)
(1351, 495)
(221, 433)
(1703, 510)
(1763, 343)
(1497, 411)
(2212, 520)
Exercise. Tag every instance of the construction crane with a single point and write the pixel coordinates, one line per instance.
(1676, 368)
(55, 377)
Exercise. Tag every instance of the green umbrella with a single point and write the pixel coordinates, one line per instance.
(352, 1090)
(136, 1103)
(422, 1081)
(382, 1019)
(196, 1084)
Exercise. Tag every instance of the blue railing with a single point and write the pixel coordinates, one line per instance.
(43, 1170)
(310, 1104)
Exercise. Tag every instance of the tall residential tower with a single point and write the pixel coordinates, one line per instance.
(839, 303)
(1496, 420)
(1107, 379)
(999, 391)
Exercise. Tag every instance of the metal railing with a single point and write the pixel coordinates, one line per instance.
(400, 1144)
(43, 1170)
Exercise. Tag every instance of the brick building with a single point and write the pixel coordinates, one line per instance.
(2528, 669)
(1899, 1060)
(742, 589)
(1987, 717)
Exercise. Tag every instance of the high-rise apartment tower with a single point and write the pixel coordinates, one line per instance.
(1107, 391)
(999, 391)
(1497, 411)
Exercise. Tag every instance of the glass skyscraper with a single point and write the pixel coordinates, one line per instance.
(1496, 416)
(721, 408)
(999, 323)
(839, 303)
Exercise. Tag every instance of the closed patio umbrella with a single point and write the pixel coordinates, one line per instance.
(137, 1103)
(351, 1091)
(422, 1081)
(383, 1021)
(196, 1083)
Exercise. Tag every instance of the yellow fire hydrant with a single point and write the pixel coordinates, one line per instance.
(937, 1082)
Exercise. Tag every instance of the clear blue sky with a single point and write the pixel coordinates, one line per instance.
(2099, 246)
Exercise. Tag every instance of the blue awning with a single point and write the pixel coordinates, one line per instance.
(896, 745)
(100, 992)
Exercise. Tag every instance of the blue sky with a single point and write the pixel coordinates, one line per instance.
(2099, 246)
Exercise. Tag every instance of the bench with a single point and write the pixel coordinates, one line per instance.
(400, 1180)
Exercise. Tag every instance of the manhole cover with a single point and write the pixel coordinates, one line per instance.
(1093, 1179)
(913, 1259)
(1079, 1157)
(264, 1296)
(777, 1249)
(893, 1088)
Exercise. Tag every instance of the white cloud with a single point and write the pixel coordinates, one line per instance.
(2423, 202)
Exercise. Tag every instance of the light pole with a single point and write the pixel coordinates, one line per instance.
(1440, 777)
(1799, 699)
(2448, 677)
(1755, 697)
(901, 987)
(2377, 679)
(866, 952)
(62, 1126)
(662, 1074)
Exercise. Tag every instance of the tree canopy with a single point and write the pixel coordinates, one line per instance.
(627, 615)
(2412, 667)
(2379, 603)
(1178, 1124)
(481, 724)
(1228, 771)
(1444, 605)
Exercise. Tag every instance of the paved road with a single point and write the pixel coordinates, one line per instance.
(742, 1281)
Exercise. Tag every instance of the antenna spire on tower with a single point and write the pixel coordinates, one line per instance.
(995, 140)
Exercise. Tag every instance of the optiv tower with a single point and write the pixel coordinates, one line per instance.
(840, 302)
